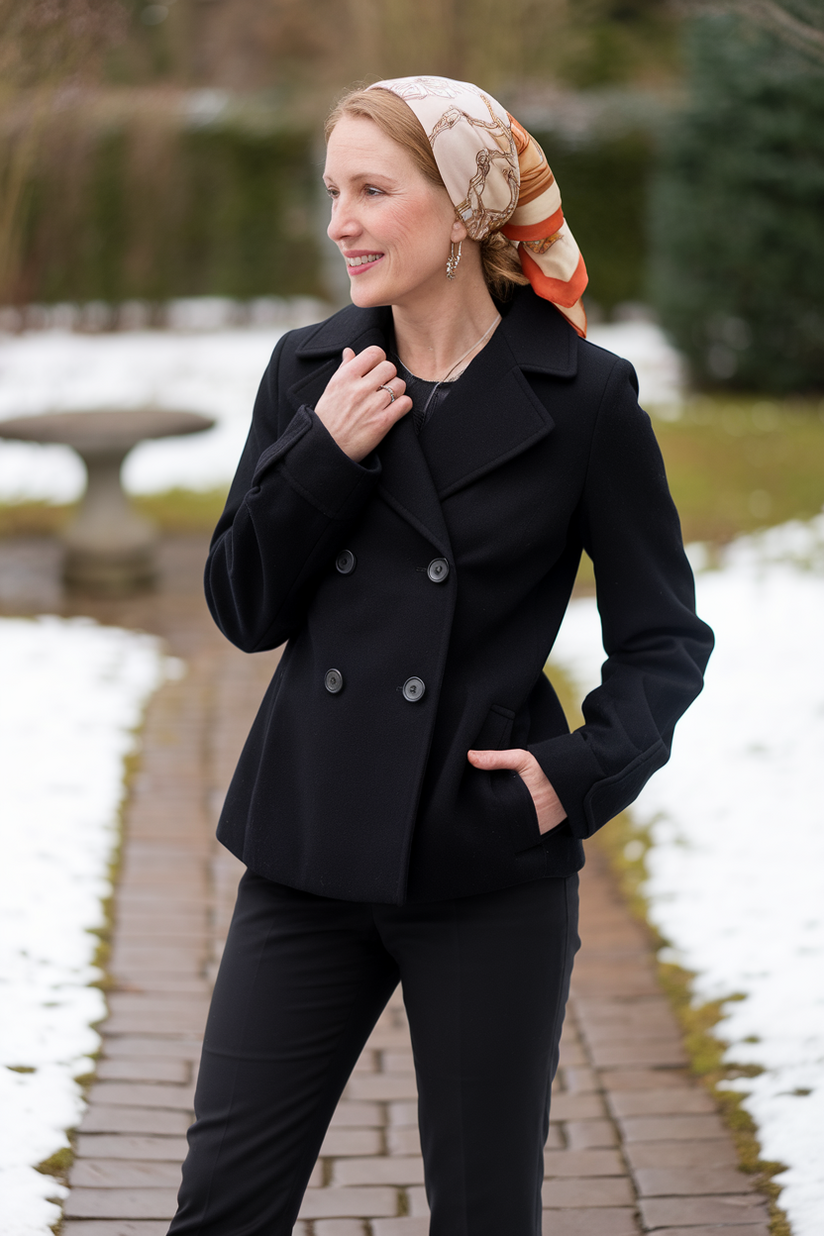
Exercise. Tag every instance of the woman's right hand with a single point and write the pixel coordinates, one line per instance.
(356, 412)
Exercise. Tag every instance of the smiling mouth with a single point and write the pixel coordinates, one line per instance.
(364, 260)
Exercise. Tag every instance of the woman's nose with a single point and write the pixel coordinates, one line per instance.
(342, 225)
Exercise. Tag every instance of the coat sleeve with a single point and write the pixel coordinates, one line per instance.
(656, 646)
(294, 497)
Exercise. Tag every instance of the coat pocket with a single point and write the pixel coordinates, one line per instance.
(495, 732)
(513, 798)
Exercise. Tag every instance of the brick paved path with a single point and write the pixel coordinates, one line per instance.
(634, 1146)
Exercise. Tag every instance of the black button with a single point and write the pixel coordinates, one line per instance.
(438, 570)
(333, 681)
(413, 690)
(346, 562)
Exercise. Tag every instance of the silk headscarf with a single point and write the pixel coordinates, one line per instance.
(498, 179)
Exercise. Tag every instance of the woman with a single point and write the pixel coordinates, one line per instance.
(422, 473)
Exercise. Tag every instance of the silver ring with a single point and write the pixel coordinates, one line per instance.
(383, 387)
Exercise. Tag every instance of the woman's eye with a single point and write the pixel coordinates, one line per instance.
(330, 192)
(371, 191)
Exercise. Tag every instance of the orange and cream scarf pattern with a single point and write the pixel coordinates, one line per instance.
(498, 179)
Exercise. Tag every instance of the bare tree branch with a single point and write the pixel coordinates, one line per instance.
(804, 36)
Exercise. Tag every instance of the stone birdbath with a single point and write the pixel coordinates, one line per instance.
(109, 548)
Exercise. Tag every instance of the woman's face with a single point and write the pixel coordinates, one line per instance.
(392, 225)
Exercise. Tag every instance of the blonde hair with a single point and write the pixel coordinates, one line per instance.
(499, 257)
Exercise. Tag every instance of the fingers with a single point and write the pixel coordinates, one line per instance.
(514, 759)
(367, 360)
(372, 366)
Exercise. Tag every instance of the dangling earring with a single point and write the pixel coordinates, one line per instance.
(453, 259)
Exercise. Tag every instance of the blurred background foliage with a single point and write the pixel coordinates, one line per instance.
(150, 151)
(737, 208)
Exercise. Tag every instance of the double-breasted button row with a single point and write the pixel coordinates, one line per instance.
(438, 569)
(413, 689)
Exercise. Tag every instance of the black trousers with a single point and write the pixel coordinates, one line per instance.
(302, 982)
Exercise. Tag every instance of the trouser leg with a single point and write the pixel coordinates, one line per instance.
(302, 981)
(485, 983)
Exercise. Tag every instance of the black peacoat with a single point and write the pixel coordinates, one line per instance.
(420, 592)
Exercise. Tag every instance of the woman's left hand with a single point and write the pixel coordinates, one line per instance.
(548, 806)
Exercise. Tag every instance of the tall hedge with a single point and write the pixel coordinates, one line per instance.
(147, 211)
(737, 212)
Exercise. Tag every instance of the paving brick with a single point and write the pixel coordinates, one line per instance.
(672, 1128)
(609, 1221)
(349, 1115)
(398, 1060)
(339, 1143)
(339, 1227)
(159, 1047)
(383, 1087)
(583, 1163)
(647, 1053)
(124, 1174)
(384, 1037)
(404, 1140)
(159, 1005)
(100, 1119)
(349, 1203)
(691, 1211)
(577, 1107)
(591, 1192)
(121, 1203)
(572, 1054)
(114, 1227)
(149, 1022)
(137, 1094)
(689, 1181)
(711, 1153)
(417, 1203)
(590, 1134)
(645, 1079)
(744, 1229)
(405, 1226)
(378, 1170)
(123, 1146)
(579, 1079)
(670, 1102)
(145, 1069)
(401, 1114)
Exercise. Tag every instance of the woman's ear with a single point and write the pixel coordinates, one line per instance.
(458, 232)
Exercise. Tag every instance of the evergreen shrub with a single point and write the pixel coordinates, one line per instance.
(737, 212)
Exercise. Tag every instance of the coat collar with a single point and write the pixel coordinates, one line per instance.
(540, 340)
(491, 416)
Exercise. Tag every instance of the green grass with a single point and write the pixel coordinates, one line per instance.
(737, 464)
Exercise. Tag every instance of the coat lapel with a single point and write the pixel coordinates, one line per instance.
(493, 414)
(406, 482)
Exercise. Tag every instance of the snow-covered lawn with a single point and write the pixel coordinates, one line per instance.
(736, 868)
(72, 694)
